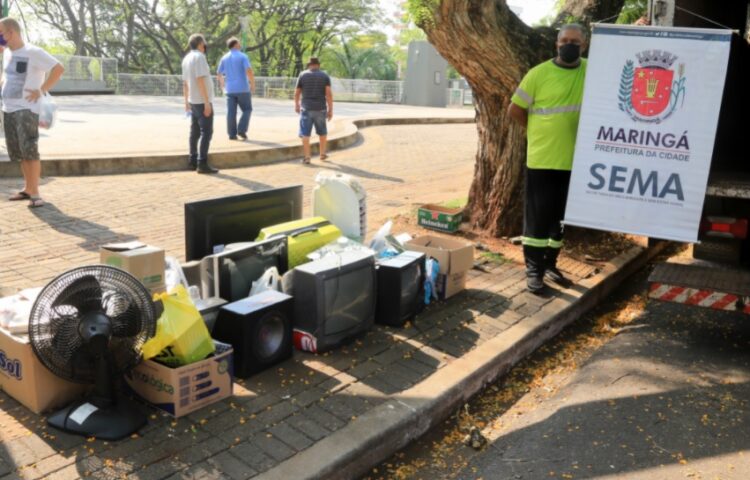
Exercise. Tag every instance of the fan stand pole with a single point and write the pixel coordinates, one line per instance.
(103, 394)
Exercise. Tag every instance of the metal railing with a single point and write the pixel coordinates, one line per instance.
(88, 73)
(94, 74)
(371, 91)
(459, 97)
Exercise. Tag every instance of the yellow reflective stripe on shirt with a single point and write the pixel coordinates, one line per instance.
(551, 111)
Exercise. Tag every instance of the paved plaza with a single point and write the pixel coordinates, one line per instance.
(278, 415)
(101, 126)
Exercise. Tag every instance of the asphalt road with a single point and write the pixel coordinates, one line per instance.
(668, 397)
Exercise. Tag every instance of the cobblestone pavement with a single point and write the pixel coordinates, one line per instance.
(284, 410)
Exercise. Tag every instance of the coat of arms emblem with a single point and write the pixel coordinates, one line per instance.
(650, 92)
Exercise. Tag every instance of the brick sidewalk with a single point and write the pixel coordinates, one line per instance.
(284, 410)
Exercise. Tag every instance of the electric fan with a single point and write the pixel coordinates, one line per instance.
(88, 326)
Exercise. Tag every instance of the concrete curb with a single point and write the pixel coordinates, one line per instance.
(374, 436)
(226, 159)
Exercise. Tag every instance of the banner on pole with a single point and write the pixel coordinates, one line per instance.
(646, 135)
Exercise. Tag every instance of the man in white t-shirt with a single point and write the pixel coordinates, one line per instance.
(25, 81)
(199, 95)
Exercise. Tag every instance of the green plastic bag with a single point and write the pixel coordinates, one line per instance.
(181, 335)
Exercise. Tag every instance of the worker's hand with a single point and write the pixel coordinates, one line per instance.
(207, 110)
(33, 95)
(187, 107)
(296, 108)
(330, 115)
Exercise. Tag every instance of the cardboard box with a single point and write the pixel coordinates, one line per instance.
(455, 256)
(183, 390)
(449, 285)
(440, 218)
(144, 262)
(25, 378)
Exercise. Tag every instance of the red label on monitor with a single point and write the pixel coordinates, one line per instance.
(305, 341)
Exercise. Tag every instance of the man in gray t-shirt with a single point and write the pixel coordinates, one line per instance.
(316, 106)
(198, 89)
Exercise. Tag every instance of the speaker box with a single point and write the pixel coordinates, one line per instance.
(259, 328)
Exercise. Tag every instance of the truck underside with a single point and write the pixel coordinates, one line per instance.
(718, 275)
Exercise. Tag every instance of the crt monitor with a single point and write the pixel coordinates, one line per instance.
(400, 288)
(231, 273)
(334, 298)
(239, 218)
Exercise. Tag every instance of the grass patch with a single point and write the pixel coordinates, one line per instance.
(493, 257)
(456, 203)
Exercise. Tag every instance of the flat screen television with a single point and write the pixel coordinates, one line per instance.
(231, 273)
(400, 288)
(334, 300)
(239, 218)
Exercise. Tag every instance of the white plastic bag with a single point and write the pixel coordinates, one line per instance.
(173, 274)
(15, 310)
(47, 111)
(378, 242)
(268, 281)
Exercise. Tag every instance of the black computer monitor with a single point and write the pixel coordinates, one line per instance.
(231, 273)
(239, 218)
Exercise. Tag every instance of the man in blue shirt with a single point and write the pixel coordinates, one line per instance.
(237, 79)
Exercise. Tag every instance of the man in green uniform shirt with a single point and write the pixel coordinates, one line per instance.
(548, 103)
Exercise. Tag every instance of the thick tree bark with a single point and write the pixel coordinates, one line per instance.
(586, 11)
(493, 50)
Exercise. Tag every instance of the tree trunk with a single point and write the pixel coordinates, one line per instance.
(490, 47)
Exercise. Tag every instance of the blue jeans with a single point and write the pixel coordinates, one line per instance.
(201, 127)
(244, 101)
(310, 118)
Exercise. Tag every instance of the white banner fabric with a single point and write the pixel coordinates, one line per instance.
(646, 135)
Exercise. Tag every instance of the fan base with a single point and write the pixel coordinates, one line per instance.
(112, 422)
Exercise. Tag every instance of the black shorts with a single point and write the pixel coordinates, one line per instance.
(21, 135)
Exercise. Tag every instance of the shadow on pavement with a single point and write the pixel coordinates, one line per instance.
(358, 172)
(243, 182)
(93, 234)
(671, 389)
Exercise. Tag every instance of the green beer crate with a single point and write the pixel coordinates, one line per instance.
(443, 219)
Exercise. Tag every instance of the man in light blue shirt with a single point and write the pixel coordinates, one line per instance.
(237, 79)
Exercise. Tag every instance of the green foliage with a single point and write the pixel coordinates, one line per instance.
(95, 69)
(363, 56)
(422, 12)
(632, 10)
(496, 258)
(57, 48)
(151, 36)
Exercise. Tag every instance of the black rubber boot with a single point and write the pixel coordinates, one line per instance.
(552, 272)
(535, 284)
(534, 257)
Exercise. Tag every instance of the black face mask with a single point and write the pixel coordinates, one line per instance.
(569, 53)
